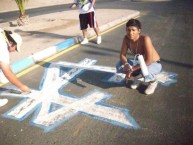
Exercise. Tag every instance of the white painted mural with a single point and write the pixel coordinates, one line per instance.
(52, 107)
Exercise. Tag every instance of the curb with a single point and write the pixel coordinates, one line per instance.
(27, 62)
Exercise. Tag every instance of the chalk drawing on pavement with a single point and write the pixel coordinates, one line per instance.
(52, 107)
(164, 78)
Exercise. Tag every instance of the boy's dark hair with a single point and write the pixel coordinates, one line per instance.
(134, 22)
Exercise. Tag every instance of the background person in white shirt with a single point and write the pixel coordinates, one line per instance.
(9, 42)
(87, 17)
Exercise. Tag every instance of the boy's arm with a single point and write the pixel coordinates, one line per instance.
(6, 69)
(123, 52)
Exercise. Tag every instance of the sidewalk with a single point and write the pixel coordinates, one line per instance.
(49, 34)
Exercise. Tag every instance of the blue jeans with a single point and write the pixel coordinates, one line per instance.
(153, 69)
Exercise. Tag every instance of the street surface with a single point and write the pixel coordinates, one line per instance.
(164, 118)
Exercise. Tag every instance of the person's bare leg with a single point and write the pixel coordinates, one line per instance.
(96, 29)
(84, 33)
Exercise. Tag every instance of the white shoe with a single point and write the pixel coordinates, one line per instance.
(135, 84)
(85, 41)
(99, 40)
(3, 102)
(151, 88)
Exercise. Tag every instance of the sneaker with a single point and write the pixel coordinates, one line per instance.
(85, 41)
(151, 88)
(99, 40)
(3, 102)
(135, 84)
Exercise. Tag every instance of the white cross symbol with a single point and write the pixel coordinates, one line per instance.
(49, 94)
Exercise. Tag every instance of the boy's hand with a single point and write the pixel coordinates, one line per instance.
(25, 89)
(128, 76)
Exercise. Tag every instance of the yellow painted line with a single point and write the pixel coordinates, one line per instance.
(62, 52)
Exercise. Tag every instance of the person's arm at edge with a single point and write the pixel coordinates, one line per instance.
(6, 69)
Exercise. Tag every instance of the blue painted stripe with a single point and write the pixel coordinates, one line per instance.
(18, 66)
(63, 45)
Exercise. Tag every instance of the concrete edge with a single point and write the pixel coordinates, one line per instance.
(27, 62)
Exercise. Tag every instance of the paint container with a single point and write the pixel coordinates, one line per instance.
(143, 65)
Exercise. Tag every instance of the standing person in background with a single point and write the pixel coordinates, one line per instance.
(87, 17)
(9, 42)
(141, 45)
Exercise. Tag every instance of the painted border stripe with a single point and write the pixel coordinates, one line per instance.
(44, 53)
(22, 64)
(63, 45)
